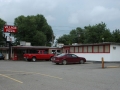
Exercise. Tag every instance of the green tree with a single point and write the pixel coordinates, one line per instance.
(116, 36)
(34, 29)
(106, 36)
(90, 34)
(2, 23)
(93, 33)
(65, 39)
(75, 36)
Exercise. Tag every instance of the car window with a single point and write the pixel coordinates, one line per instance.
(74, 55)
(61, 55)
(45, 52)
(69, 55)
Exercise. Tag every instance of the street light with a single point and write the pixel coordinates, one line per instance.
(103, 39)
(78, 37)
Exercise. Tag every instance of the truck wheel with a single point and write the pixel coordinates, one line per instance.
(51, 58)
(34, 59)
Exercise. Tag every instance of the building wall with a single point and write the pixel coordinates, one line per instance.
(115, 53)
(95, 56)
(92, 52)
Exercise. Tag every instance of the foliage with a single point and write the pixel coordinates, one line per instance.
(116, 35)
(91, 34)
(34, 29)
(2, 23)
(64, 39)
(94, 34)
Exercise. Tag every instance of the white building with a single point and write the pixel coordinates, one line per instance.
(94, 52)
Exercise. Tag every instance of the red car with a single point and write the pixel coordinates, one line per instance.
(68, 58)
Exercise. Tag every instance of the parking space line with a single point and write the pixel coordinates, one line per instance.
(48, 75)
(24, 72)
(113, 66)
(11, 78)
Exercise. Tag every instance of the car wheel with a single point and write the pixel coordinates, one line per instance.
(64, 62)
(34, 59)
(82, 62)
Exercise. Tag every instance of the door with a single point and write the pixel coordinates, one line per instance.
(75, 59)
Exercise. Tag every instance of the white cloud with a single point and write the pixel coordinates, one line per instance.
(8, 1)
(50, 18)
(70, 13)
(105, 13)
(95, 15)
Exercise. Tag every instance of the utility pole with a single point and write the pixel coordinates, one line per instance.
(9, 46)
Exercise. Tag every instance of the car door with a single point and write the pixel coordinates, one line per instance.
(74, 59)
(69, 58)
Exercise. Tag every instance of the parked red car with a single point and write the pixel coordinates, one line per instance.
(68, 58)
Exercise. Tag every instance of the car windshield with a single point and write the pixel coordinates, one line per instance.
(61, 55)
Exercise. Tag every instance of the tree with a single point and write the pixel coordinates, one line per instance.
(116, 36)
(34, 29)
(90, 34)
(93, 33)
(65, 39)
(75, 36)
(2, 23)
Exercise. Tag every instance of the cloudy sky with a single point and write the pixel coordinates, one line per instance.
(64, 15)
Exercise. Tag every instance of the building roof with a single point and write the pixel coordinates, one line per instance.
(4, 48)
(47, 47)
(34, 47)
(92, 44)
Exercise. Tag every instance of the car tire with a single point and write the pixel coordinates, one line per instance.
(57, 63)
(34, 59)
(64, 62)
(82, 62)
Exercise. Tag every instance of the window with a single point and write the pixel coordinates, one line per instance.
(80, 49)
(107, 48)
(89, 49)
(100, 48)
(45, 52)
(69, 55)
(71, 49)
(95, 49)
(76, 49)
(74, 56)
(85, 49)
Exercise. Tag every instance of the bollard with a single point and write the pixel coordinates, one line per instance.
(102, 62)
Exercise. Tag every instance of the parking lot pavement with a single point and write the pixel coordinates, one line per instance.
(45, 75)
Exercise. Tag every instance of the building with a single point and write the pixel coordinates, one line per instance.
(18, 51)
(94, 52)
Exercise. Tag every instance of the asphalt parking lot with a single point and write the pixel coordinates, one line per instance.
(45, 75)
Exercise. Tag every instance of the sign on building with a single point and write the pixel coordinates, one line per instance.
(10, 29)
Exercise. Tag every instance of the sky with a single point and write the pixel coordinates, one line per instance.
(64, 15)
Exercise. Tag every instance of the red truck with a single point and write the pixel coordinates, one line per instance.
(39, 55)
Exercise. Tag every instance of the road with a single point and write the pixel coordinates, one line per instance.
(45, 75)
